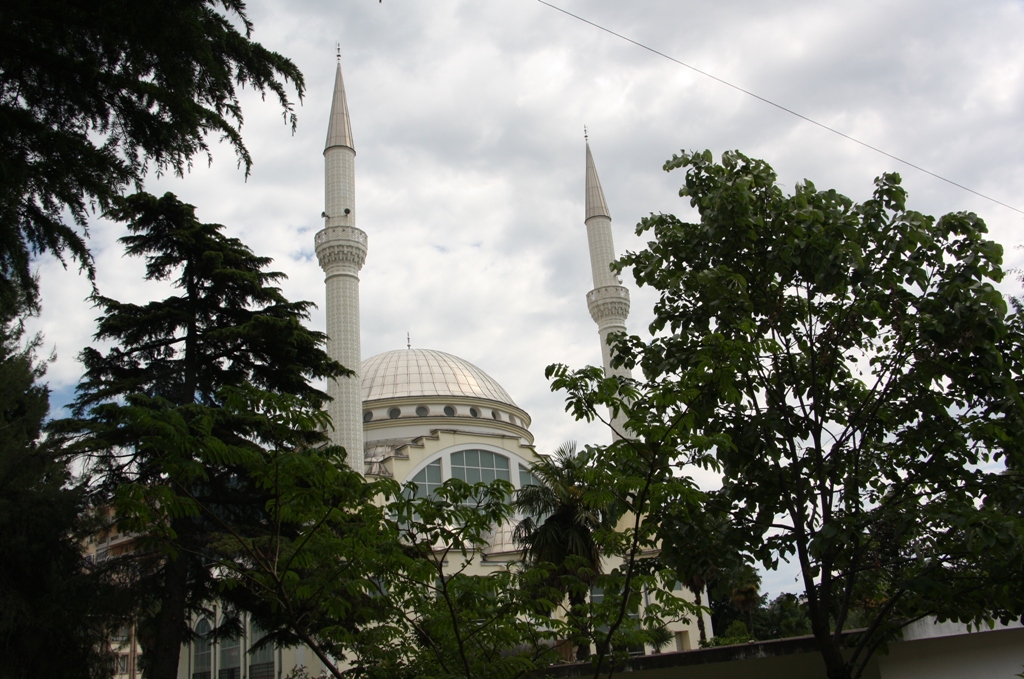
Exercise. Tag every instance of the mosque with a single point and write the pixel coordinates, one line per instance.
(416, 415)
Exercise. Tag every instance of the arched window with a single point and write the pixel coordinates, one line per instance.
(201, 655)
(475, 466)
(428, 479)
(472, 466)
(526, 477)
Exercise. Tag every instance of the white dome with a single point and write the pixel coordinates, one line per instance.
(424, 372)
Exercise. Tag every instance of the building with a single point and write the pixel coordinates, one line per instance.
(418, 415)
(928, 650)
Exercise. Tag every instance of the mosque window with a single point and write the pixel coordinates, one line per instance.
(422, 411)
(201, 652)
(476, 466)
(449, 411)
(261, 660)
(395, 413)
(474, 412)
(495, 414)
(526, 478)
(367, 416)
(428, 479)
(230, 666)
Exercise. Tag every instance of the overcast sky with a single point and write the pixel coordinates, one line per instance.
(468, 123)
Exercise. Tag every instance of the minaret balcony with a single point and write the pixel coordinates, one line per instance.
(610, 302)
(341, 246)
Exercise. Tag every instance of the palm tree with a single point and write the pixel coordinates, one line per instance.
(558, 529)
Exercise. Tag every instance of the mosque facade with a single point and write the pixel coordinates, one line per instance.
(421, 415)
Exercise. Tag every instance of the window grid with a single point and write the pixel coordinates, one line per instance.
(201, 651)
(479, 466)
(428, 479)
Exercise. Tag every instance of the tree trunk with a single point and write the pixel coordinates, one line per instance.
(835, 663)
(170, 620)
(700, 618)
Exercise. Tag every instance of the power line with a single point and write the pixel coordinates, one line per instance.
(781, 107)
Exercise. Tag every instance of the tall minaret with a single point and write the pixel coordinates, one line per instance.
(341, 249)
(609, 300)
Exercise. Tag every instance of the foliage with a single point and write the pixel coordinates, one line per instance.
(458, 624)
(94, 94)
(735, 633)
(559, 531)
(371, 575)
(50, 598)
(853, 371)
(150, 418)
(636, 478)
(697, 545)
(784, 617)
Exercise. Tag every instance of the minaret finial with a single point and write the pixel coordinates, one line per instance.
(408, 341)
(586, 137)
(339, 127)
(337, 47)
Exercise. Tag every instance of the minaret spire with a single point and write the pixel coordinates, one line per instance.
(608, 302)
(341, 251)
(339, 127)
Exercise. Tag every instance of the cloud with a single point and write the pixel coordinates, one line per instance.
(468, 122)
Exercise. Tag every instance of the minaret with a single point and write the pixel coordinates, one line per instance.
(609, 300)
(341, 249)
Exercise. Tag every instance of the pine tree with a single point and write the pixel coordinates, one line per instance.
(49, 600)
(94, 94)
(150, 417)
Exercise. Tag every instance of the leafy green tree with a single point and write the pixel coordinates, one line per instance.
(631, 597)
(94, 94)
(149, 419)
(854, 373)
(55, 609)
(746, 595)
(559, 526)
(455, 623)
(380, 577)
(784, 617)
(697, 545)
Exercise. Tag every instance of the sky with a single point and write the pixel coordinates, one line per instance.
(468, 122)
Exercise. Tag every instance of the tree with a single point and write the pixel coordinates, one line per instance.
(454, 623)
(698, 546)
(612, 497)
(50, 598)
(150, 420)
(559, 528)
(784, 617)
(855, 373)
(94, 94)
(378, 577)
(746, 595)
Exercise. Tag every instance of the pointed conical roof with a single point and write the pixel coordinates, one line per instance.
(596, 207)
(339, 128)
